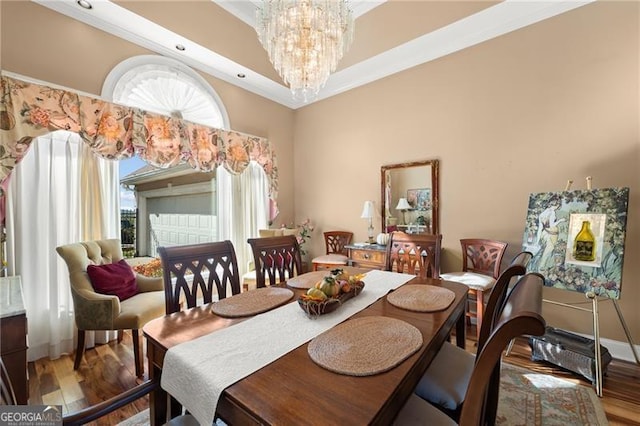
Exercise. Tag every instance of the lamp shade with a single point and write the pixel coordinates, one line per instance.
(403, 204)
(368, 210)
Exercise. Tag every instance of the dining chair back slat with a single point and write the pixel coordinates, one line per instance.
(496, 301)
(196, 271)
(523, 258)
(335, 241)
(482, 256)
(276, 259)
(417, 254)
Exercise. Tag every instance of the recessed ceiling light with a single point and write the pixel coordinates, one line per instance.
(85, 4)
(180, 47)
(241, 75)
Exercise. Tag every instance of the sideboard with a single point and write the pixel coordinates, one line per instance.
(13, 329)
(371, 256)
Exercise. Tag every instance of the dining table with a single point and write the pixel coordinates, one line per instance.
(293, 389)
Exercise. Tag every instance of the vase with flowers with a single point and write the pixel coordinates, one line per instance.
(305, 230)
(304, 233)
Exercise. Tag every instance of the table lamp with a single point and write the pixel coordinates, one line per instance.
(403, 206)
(368, 212)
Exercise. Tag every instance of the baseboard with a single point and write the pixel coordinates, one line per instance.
(617, 349)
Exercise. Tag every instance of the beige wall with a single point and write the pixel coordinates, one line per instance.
(48, 46)
(521, 113)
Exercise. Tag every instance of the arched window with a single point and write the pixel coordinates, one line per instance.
(165, 86)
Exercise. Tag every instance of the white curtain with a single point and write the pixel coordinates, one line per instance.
(59, 193)
(243, 208)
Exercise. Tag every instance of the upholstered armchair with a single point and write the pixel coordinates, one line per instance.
(97, 311)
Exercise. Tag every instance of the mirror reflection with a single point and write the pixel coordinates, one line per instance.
(410, 197)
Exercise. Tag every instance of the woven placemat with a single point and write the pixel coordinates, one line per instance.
(365, 346)
(421, 298)
(307, 280)
(252, 302)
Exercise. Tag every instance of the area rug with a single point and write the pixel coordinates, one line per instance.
(527, 398)
(530, 398)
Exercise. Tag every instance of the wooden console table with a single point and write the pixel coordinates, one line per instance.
(13, 329)
(371, 256)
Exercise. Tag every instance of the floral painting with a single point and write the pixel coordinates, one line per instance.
(550, 231)
(419, 199)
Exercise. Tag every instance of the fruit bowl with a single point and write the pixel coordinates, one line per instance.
(313, 308)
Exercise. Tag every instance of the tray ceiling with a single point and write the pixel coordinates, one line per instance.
(390, 36)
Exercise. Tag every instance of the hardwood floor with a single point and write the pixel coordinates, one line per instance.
(108, 370)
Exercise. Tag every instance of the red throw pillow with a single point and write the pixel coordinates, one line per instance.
(116, 279)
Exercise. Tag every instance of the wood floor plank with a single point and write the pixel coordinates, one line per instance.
(47, 378)
(54, 398)
(67, 380)
(35, 389)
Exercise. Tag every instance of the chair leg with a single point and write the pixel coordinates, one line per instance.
(137, 355)
(120, 335)
(510, 347)
(79, 349)
(479, 311)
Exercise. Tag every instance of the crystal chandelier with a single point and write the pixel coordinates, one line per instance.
(305, 39)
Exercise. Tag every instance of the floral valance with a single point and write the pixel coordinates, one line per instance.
(116, 132)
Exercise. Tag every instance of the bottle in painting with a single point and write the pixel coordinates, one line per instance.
(584, 245)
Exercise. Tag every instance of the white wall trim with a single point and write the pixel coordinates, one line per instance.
(32, 80)
(618, 350)
(170, 191)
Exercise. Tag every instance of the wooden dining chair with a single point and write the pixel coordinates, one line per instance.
(192, 272)
(523, 258)
(481, 261)
(276, 259)
(336, 255)
(522, 315)
(417, 254)
(445, 382)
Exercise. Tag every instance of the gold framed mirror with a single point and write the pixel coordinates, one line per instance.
(409, 194)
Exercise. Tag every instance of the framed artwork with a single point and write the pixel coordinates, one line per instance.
(577, 239)
(419, 199)
(581, 223)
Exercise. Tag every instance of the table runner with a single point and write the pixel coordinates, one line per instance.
(196, 372)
